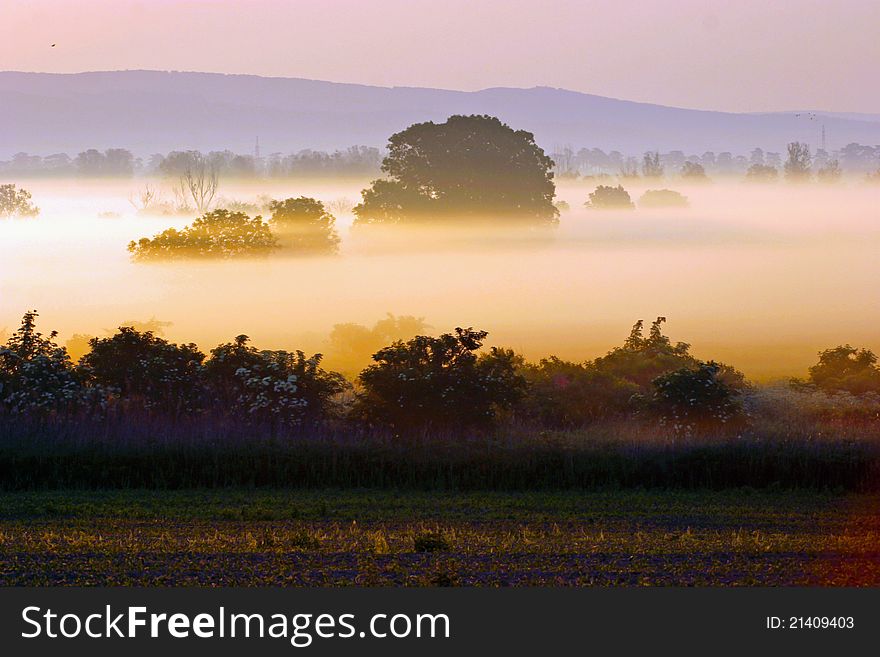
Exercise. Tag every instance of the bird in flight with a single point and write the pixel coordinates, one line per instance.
(53, 45)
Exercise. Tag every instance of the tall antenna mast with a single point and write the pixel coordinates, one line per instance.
(823, 138)
(257, 149)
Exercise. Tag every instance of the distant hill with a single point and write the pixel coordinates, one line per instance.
(153, 111)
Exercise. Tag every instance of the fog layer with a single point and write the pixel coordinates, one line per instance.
(761, 277)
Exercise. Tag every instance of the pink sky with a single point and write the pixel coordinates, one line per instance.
(740, 55)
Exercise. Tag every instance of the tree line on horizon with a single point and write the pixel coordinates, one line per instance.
(355, 161)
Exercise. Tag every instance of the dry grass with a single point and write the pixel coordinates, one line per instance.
(567, 539)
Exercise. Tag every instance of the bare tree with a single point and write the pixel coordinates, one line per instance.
(181, 197)
(146, 196)
(341, 205)
(199, 181)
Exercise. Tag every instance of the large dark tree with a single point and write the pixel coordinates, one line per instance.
(468, 167)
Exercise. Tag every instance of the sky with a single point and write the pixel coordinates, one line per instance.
(732, 55)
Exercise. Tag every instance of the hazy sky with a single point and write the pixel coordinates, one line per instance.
(741, 55)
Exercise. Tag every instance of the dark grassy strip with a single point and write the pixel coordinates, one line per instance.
(439, 465)
(687, 507)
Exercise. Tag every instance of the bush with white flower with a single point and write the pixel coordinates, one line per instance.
(689, 399)
(36, 374)
(275, 387)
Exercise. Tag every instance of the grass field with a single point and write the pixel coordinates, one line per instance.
(242, 537)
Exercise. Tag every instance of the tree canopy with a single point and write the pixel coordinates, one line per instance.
(663, 198)
(439, 383)
(16, 202)
(217, 234)
(606, 197)
(468, 167)
(846, 368)
(305, 225)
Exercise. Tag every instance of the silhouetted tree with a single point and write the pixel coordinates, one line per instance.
(305, 225)
(797, 166)
(146, 370)
(16, 202)
(469, 166)
(846, 368)
(642, 358)
(606, 197)
(439, 384)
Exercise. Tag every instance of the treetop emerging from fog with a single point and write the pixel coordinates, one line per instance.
(468, 167)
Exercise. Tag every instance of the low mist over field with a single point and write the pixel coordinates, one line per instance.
(761, 277)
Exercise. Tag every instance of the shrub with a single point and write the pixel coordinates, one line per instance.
(274, 387)
(16, 203)
(217, 234)
(562, 394)
(606, 197)
(145, 370)
(689, 399)
(306, 225)
(663, 198)
(36, 374)
(439, 383)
